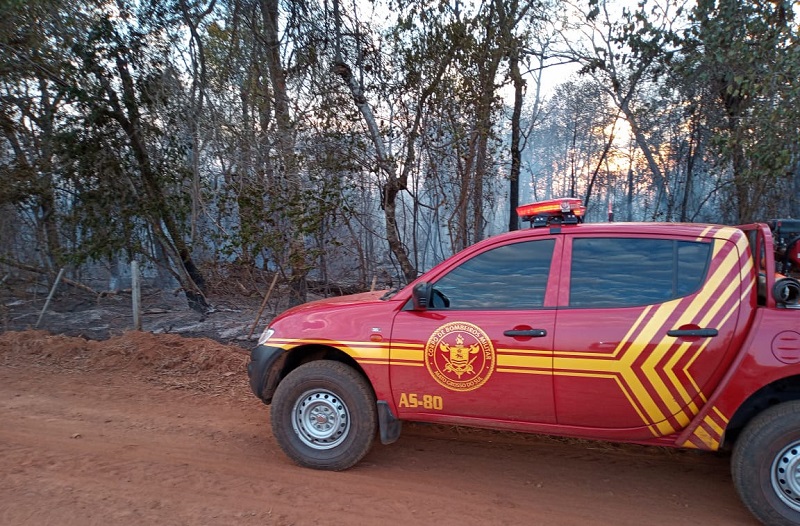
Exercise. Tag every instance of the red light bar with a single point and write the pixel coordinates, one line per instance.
(552, 207)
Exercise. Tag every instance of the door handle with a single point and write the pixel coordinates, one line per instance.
(530, 333)
(701, 333)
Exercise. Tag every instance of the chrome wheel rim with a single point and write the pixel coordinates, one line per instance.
(320, 419)
(786, 475)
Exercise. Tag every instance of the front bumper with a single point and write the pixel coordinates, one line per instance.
(264, 370)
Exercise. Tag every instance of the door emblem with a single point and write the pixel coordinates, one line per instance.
(460, 356)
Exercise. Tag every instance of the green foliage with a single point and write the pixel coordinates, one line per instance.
(129, 122)
(97, 121)
(748, 54)
(731, 67)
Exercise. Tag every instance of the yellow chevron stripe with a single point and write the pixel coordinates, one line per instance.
(372, 362)
(547, 371)
(655, 324)
(621, 345)
(535, 362)
(622, 386)
(358, 350)
(707, 439)
(719, 414)
(708, 293)
(649, 370)
(408, 354)
(367, 353)
(670, 370)
(700, 433)
(309, 341)
(411, 346)
(734, 309)
(713, 425)
(703, 234)
(683, 419)
(538, 352)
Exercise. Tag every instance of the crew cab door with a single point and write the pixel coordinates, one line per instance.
(483, 347)
(644, 330)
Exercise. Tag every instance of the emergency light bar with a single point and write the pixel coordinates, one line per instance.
(566, 210)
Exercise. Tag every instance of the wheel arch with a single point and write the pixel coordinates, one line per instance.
(782, 390)
(315, 352)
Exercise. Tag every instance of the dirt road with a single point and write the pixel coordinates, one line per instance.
(143, 430)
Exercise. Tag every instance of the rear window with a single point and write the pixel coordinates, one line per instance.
(628, 272)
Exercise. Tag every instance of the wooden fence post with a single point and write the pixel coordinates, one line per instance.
(263, 305)
(136, 296)
(49, 297)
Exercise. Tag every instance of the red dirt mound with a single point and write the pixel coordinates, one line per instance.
(169, 359)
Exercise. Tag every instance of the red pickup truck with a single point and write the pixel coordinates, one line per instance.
(678, 335)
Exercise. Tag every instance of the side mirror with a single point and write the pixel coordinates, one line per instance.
(421, 295)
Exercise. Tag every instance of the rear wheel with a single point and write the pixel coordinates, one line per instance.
(766, 465)
(324, 416)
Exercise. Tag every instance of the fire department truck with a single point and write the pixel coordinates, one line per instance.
(682, 335)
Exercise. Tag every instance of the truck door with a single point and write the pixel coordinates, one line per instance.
(644, 330)
(483, 348)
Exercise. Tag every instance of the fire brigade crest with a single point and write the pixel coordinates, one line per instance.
(460, 356)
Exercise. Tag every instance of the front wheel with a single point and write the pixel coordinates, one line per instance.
(324, 416)
(766, 465)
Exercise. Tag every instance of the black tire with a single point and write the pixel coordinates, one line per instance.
(766, 465)
(324, 416)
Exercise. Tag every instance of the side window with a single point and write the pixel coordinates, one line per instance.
(628, 272)
(507, 277)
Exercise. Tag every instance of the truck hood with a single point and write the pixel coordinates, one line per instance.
(355, 316)
(350, 299)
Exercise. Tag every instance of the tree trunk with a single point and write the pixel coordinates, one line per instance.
(516, 149)
(687, 189)
(461, 210)
(480, 173)
(286, 147)
(487, 72)
(644, 145)
(46, 198)
(393, 184)
(603, 156)
(161, 221)
(795, 211)
(629, 195)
